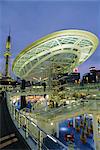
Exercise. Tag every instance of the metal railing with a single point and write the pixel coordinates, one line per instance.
(33, 131)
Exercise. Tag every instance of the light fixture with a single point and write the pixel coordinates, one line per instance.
(33, 124)
(63, 129)
(52, 138)
(51, 123)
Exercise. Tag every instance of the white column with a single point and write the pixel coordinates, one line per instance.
(95, 133)
(57, 130)
(40, 140)
(19, 120)
(26, 129)
(46, 102)
(74, 122)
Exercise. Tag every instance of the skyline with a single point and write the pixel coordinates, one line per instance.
(31, 20)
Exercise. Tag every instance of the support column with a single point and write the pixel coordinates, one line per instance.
(49, 81)
(95, 133)
(46, 102)
(23, 98)
(23, 102)
(57, 130)
(19, 120)
(74, 122)
(26, 129)
(40, 140)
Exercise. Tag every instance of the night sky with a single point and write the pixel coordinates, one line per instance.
(30, 20)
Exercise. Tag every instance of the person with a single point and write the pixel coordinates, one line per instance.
(56, 104)
(44, 85)
(69, 137)
(87, 131)
(64, 103)
(81, 123)
(17, 105)
(91, 128)
(29, 105)
(77, 126)
(98, 122)
(72, 137)
(85, 121)
(24, 127)
(52, 104)
(83, 137)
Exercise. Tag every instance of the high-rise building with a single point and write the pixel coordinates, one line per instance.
(92, 77)
(73, 77)
(98, 76)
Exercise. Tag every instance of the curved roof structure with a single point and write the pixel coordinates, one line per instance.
(61, 51)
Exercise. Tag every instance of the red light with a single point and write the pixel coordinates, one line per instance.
(75, 70)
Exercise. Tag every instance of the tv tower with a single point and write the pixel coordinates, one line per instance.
(7, 55)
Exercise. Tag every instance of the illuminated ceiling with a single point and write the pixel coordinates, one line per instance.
(57, 52)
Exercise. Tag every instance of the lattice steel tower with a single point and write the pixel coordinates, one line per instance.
(7, 55)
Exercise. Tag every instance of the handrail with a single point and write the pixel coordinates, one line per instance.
(20, 114)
